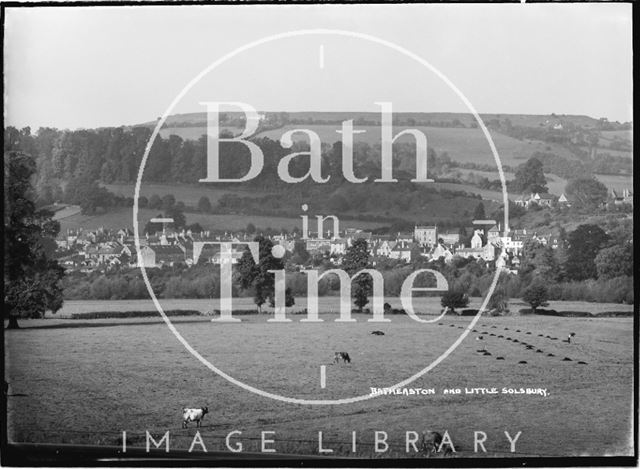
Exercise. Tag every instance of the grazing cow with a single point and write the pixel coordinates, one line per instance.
(193, 415)
(344, 356)
(377, 332)
(431, 442)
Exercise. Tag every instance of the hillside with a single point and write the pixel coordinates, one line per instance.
(463, 145)
(517, 136)
(193, 119)
(364, 206)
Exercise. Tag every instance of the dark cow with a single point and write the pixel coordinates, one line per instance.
(341, 356)
(431, 442)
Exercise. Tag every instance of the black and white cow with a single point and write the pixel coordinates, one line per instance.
(341, 356)
(193, 415)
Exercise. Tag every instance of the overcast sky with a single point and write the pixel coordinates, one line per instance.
(71, 67)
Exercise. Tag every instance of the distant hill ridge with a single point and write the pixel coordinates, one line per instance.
(196, 119)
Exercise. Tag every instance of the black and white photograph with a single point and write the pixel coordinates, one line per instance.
(318, 234)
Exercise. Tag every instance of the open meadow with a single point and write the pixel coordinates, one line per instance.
(123, 217)
(422, 305)
(462, 144)
(85, 385)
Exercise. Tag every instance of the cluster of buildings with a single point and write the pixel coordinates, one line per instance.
(89, 250)
(542, 199)
(102, 249)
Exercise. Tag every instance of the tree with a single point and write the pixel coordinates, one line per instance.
(357, 258)
(289, 299)
(204, 204)
(32, 279)
(536, 295)
(538, 260)
(152, 228)
(300, 253)
(586, 192)
(584, 243)
(615, 261)
(499, 301)
(154, 202)
(195, 228)
(94, 197)
(168, 201)
(256, 276)
(179, 220)
(529, 177)
(251, 228)
(454, 299)
(478, 213)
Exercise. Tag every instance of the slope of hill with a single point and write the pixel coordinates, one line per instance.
(462, 144)
(527, 120)
(454, 133)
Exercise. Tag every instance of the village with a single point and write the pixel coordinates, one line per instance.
(104, 250)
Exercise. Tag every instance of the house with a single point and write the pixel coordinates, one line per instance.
(476, 240)
(442, 251)
(406, 237)
(147, 257)
(487, 252)
(522, 201)
(619, 198)
(401, 251)
(449, 238)
(493, 234)
(366, 235)
(384, 248)
(513, 242)
(159, 255)
(426, 235)
(564, 200)
(543, 199)
(317, 245)
(338, 247)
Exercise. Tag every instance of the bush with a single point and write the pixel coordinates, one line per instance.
(578, 314)
(468, 312)
(132, 314)
(454, 299)
(536, 295)
(237, 312)
(565, 314)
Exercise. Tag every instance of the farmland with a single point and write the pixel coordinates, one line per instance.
(89, 384)
(327, 303)
(462, 144)
(123, 217)
(187, 193)
(555, 183)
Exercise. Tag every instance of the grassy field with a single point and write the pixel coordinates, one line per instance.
(188, 193)
(87, 385)
(423, 305)
(123, 217)
(462, 144)
(555, 183)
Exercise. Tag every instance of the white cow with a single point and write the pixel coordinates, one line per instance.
(193, 415)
